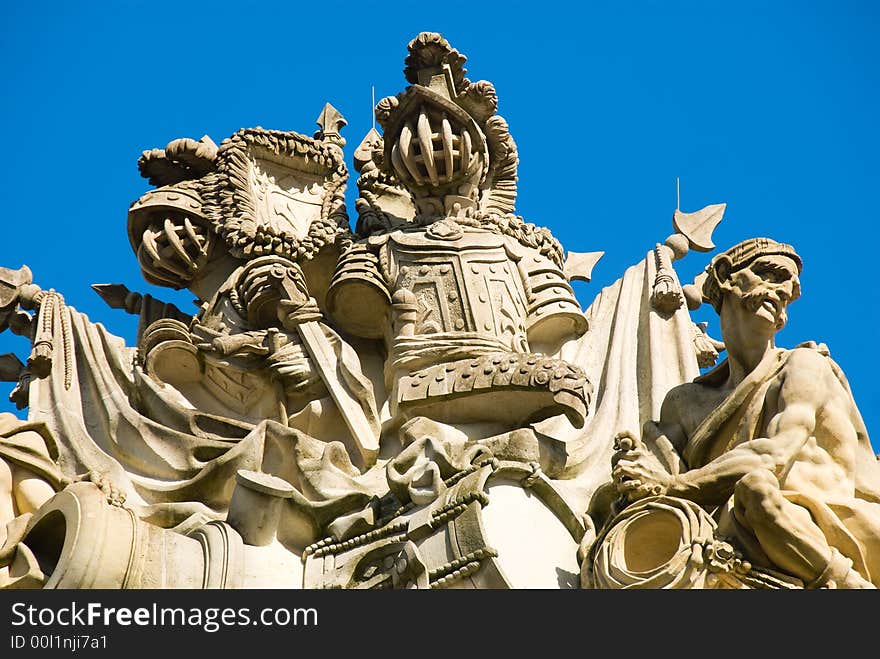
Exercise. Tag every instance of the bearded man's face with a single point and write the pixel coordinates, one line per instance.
(766, 286)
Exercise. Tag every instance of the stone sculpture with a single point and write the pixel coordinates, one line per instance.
(420, 402)
(770, 443)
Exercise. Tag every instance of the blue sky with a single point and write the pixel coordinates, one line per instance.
(769, 107)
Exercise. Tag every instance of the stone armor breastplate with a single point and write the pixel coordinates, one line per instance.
(455, 307)
(465, 291)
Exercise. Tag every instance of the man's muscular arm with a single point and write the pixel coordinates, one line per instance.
(806, 394)
(809, 393)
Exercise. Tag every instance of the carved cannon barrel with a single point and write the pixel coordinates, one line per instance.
(80, 541)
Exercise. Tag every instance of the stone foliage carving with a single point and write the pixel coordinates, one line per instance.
(422, 402)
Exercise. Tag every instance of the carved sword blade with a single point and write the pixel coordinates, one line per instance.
(324, 358)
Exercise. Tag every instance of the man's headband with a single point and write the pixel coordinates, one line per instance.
(739, 256)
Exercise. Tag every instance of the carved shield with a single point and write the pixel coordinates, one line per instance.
(279, 193)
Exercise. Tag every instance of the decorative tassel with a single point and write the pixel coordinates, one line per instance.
(666, 296)
(705, 346)
(39, 362)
